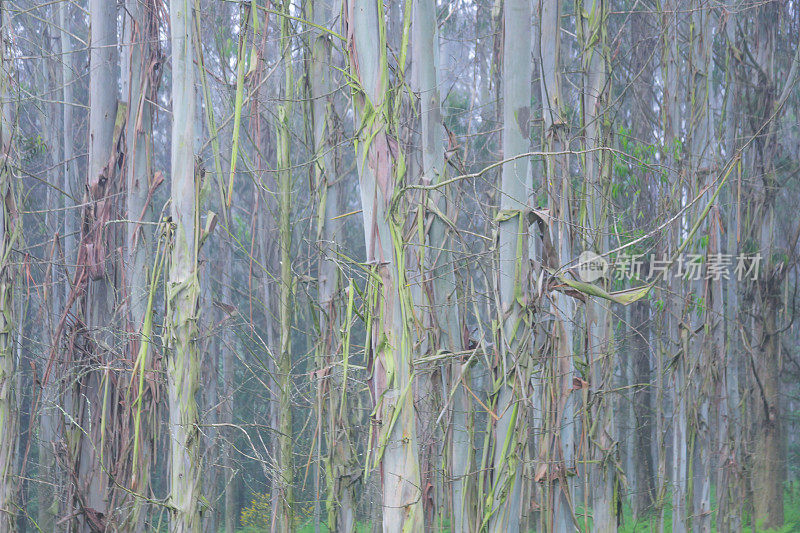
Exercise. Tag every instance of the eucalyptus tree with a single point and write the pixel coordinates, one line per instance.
(671, 119)
(284, 512)
(9, 231)
(95, 285)
(183, 287)
(381, 168)
(53, 299)
(559, 435)
(443, 325)
(341, 469)
(729, 488)
(702, 361)
(591, 24)
(141, 75)
(514, 328)
(770, 82)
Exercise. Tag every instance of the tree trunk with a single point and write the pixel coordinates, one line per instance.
(183, 287)
(283, 519)
(341, 470)
(92, 388)
(513, 375)
(141, 74)
(9, 415)
(395, 447)
(559, 451)
(592, 38)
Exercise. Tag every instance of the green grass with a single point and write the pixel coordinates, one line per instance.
(644, 524)
(648, 523)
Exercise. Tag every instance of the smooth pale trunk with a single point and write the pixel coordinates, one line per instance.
(8, 404)
(559, 495)
(183, 287)
(139, 51)
(511, 430)
(93, 481)
(390, 381)
(598, 322)
(444, 313)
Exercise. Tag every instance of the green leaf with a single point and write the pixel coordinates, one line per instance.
(625, 297)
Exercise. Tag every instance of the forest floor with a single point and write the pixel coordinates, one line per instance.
(644, 524)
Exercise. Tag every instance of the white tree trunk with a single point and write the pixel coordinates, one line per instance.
(395, 445)
(513, 376)
(183, 288)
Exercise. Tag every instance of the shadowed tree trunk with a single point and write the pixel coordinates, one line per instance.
(9, 415)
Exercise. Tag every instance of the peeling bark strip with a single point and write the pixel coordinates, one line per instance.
(183, 289)
(380, 166)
